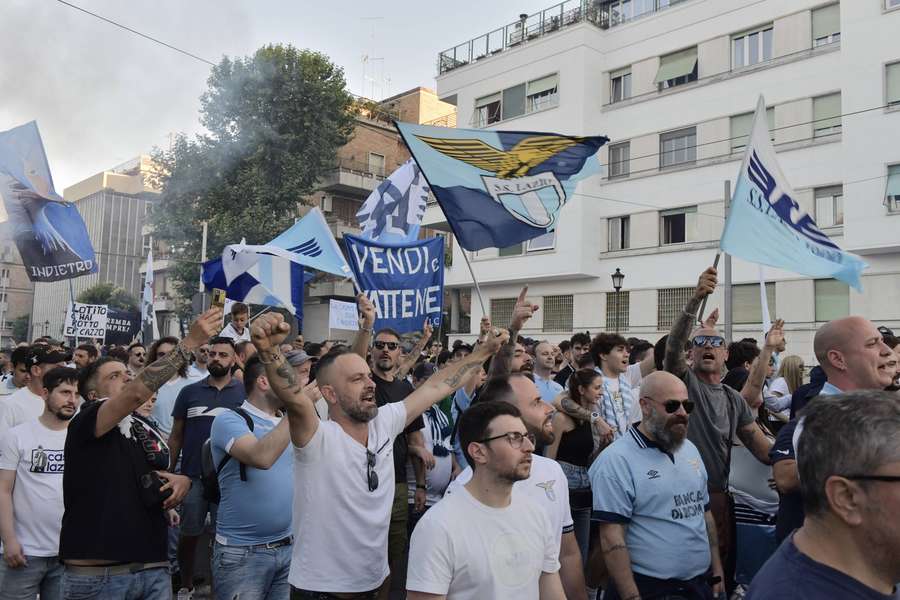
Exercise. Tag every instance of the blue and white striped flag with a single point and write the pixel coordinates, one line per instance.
(766, 225)
(393, 211)
(272, 281)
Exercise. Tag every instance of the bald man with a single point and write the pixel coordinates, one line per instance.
(657, 533)
(853, 355)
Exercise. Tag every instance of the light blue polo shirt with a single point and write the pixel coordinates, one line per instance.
(548, 388)
(661, 497)
(256, 511)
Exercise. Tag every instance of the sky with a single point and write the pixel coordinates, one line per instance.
(102, 96)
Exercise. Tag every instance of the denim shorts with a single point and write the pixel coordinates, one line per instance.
(577, 476)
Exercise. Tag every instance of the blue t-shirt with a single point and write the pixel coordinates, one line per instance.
(791, 575)
(661, 497)
(198, 404)
(548, 389)
(256, 511)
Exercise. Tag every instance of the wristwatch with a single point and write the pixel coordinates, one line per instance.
(595, 416)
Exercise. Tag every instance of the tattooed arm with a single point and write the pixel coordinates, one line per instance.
(716, 562)
(500, 365)
(413, 358)
(617, 559)
(154, 375)
(452, 377)
(681, 329)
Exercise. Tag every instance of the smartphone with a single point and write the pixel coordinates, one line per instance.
(218, 298)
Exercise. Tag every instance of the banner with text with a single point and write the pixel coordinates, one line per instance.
(405, 282)
(122, 326)
(86, 321)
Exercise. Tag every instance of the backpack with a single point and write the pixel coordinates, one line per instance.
(209, 472)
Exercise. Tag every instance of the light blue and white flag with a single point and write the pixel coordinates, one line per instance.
(765, 224)
(393, 211)
(149, 327)
(271, 281)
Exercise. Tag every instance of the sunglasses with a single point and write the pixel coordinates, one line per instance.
(672, 406)
(379, 345)
(715, 341)
(371, 475)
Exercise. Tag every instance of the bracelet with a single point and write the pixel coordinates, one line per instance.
(367, 330)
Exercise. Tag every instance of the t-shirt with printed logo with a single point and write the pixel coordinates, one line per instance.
(36, 454)
(198, 404)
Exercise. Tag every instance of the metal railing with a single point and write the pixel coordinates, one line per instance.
(360, 168)
(448, 120)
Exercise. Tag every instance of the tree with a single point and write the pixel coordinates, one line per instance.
(20, 328)
(275, 121)
(109, 294)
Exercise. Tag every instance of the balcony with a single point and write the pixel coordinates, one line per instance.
(352, 178)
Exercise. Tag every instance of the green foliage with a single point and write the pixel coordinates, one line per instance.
(20, 328)
(275, 121)
(107, 293)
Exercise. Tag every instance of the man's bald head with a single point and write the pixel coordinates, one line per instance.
(835, 335)
(853, 354)
(662, 385)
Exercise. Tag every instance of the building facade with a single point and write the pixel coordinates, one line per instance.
(16, 289)
(673, 85)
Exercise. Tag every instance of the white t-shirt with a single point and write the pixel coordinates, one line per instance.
(340, 527)
(469, 551)
(20, 406)
(438, 477)
(7, 386)
(231, 332)
(547, 486)
(36, 454)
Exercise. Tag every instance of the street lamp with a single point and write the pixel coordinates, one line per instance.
(617, 278)
(46, 327)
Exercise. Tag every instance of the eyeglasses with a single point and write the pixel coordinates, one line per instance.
(715, 341)
(371, 475)
(672, 406)
(885, 478)
(515, 439)
(390, 345)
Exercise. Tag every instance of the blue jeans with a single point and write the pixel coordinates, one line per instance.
(152, 584)
(581, 519)
(251, 573)
(194, 509)
(42, 575)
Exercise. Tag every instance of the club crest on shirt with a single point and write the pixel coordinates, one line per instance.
(547, 486)
(695, 462)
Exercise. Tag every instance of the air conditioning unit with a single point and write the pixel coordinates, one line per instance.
(326, 203)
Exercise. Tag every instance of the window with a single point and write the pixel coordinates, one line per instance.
(677, 68)
(376, 164)
(513, 103)
(892, 192)
(892, 82)
(502, 310)
(891, 4)
(832, 299)
(514, 250)
(678, 225)
(543, 93)
(619, 234)
(745, 304)
(827, 115)
(826, 25)
(742, 124)
(616, 311)
(146, 244)
(546, 241)
(558, 312)
(751, 48)
(620, 85)
(830, 206)
(678, 147)
(625, 10)
(619, 155)
(669, 304)
(487, 110)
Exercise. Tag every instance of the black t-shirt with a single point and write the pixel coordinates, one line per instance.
(397, 391)
(791, 575)
(562, 378)
(105, 517)
(736, 378)
(790, 505)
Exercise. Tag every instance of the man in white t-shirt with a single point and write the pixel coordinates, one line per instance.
(546, 484)
(237, 330)
(31, 494)
(484, 541)
(27, 403)
(344, 468)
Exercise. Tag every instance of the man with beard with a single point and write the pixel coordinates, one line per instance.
(198, 369)
(343, 469)
(84, 355)
(137, 356)
(656, 531)
(31, 493)
(546, 484)
(513, 357)
(27, 403)
(196, 406)
(485, 541)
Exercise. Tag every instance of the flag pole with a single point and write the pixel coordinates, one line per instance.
(484, 312)
(703, 304)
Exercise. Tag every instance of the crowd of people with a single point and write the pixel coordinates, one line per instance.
(597, 468)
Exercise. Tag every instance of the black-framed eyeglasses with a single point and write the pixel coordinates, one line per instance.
(371, 475)
(716, 341)
(515, 438)
(672, 406)
(885, 478)
(380, 345)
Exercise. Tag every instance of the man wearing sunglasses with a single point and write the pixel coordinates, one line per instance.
(721, 412)
(657, 534)
(344, 468)
(485, 541)
(849, 544)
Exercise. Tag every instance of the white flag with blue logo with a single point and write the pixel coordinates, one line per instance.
(393, 211)
(765, 224)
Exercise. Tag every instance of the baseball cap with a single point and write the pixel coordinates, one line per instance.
(296, 358)
(424, 370)
(42, 355)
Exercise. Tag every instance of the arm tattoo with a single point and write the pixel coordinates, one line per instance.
(154, 375)
(615, 548)
(502, 361)
(674, 359)
(454, 380)
(572, 408)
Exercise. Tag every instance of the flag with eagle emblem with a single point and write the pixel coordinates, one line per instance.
(500, 188)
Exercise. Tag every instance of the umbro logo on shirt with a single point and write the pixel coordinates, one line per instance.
(652, 474)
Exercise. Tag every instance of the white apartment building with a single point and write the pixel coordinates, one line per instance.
(672, 84)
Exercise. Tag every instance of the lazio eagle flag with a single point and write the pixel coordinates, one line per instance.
(766, 225)
(499, 188)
